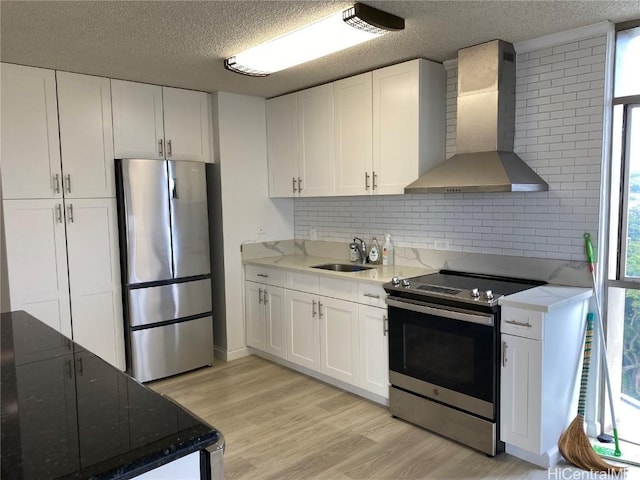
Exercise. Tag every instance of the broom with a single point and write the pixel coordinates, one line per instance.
(574, 444)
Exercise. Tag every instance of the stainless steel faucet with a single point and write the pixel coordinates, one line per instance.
(361, 247)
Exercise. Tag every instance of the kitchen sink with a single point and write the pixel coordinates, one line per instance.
(342, 267)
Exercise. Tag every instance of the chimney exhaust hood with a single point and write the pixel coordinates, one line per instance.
(484, 161)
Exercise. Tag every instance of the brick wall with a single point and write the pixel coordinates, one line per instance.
(559, 105)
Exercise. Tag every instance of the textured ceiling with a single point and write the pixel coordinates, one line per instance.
(183, 43)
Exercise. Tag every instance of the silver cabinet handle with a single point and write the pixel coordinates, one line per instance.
(375, 185)
(263, 275)
(169, 151)
(294, 184)
(319, 309)
(68, 369)
(80, 367)
(385, 325)
(313, 309)
(520, 324)
(266, 297)
(504, 353)
(366, 180)
(260, 298)
(67, 182)
(299, 185)
(160, 150)
(56, 183)
(59, 213)
(372, 295)
(70, 210)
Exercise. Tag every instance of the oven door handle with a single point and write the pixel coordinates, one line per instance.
(439, 312)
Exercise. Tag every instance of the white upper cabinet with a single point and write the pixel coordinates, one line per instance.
(30, 152)
(150, 121)
(353, 135)
(408, 123)
(186, 124)
(138, 129)
(300, 143)
(86, 135)
(282, 145)
(37, 260)
(316, 143)
(373, 133)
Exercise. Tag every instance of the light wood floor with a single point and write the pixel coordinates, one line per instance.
(279, 424)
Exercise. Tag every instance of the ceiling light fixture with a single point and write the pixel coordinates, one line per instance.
(339, 31)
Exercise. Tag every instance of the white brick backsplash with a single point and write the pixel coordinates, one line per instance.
(558, 132)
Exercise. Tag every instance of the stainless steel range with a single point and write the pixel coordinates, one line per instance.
(444, 353)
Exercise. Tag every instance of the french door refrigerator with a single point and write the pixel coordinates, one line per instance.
(166, 274)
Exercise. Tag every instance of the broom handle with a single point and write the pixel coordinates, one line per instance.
(590, 258)
(584, 380)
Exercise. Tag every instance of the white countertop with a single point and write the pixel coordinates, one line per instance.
(303, 263)
(546, 297)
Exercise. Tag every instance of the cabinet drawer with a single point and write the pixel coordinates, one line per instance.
(371, 294)
(338, 288)
(268, 276)
(303, 282)
(522, 323)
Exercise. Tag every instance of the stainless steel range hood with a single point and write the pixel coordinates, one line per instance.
(484, 161)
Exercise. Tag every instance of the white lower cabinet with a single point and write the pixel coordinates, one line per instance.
(303, 332)
(541, 354)
(339, 339)
(374, 349)
(332, 326)
(37, 261)
(63, 264)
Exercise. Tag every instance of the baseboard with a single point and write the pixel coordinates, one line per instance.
(546, 460)
(227, 356)
(374, 397)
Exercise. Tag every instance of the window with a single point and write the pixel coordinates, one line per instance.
(623, 294)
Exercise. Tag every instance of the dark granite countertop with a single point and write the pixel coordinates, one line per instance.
(68, 414)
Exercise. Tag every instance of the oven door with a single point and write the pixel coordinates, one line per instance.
(445, 354)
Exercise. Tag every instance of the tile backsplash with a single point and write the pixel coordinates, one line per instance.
(558, 132)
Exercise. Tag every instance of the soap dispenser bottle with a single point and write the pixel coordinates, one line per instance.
(374, 252)
(387, 251)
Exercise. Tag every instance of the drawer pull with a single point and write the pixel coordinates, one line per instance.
(263, 275)
(504, 354)
(385, 325)
(372, 295)
(313, 311)
(260, 297)
(519, 324)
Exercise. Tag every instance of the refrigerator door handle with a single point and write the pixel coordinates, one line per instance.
(174, 188)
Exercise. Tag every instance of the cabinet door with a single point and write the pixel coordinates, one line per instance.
(138, 130)
(520, 393)
(37, 261)
(86, 135)
(303, 331)
(339, 339)
(282, 145)
(275, 321)
(316, 142)
(396, 122)
(353, 135)
(255, 315)
(30, 152)
(186, 124)
(94, 277)
(374, 350)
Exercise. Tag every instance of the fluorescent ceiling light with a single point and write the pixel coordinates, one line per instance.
(339, 31)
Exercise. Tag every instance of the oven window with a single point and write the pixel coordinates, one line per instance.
(453, 354)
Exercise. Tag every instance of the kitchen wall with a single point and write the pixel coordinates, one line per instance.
(559, 122)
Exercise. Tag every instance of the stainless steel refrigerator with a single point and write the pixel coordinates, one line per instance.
(166, 273)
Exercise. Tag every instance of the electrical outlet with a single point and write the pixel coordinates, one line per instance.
(441, 245)
(313, 233)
